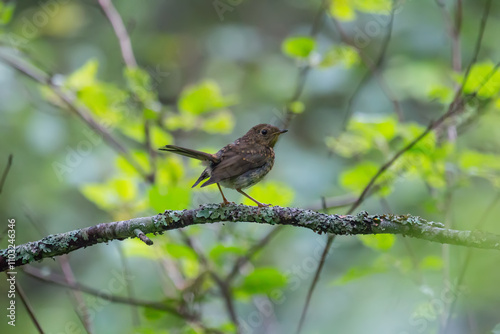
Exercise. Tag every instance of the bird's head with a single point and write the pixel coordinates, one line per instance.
(264, 134)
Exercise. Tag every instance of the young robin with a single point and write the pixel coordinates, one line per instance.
(238, 165)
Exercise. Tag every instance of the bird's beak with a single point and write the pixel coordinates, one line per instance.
(282, 131)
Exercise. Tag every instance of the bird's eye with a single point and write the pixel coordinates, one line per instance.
(264, 132)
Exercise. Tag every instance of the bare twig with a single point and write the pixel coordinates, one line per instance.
(130, 288)
(468, 257)
(130, 61)
(370, 72)
(242, 260)
(304, 71)
(227, 295)
(79, 304)
(70, 101)
(120, 31)
(59, 280)
(26, 304)
(373, 67)
(314, 282)
(454, 26)
(6, 172)
(456, 105)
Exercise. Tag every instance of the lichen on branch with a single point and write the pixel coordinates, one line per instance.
(362, 223)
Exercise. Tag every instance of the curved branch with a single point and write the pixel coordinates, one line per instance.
(362, 223)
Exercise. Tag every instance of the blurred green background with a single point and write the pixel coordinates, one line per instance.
(208, 71)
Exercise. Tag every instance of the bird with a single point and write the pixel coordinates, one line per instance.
(238, 165)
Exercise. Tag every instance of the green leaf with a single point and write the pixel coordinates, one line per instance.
(178, 251)
(345, 55)
(431, 262)
(441, 93)
(126, 168)
(6, 11)
(85, 76)
(182, 121)
(171, 198)
(98, 194)
(158, 137)
(473, 160)
(411, 131)
(343, 9)
(481, 81)
(357, 178)
(297, 107)
(381, 242)
(219, 253)
(137, 248)
(363, 135)
(139, 82)
(298, 47)
(271, 192)
(355, 273)
(374, 6)
(170, 171)
(262, 280)
(125, 188)
(220, 122)
(203, 97)
(349, 144)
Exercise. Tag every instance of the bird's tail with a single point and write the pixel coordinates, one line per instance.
(189, 153)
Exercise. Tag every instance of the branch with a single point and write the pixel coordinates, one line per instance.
(304, 71)
(70, 101)
(362, 223)
(5, 172)
(120, 32)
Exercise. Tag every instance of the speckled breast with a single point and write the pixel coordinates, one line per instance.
(249, 178)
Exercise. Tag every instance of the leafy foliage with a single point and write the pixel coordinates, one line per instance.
(298, 47)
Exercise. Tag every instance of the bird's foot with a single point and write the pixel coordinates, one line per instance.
(226, 202)
(262, 205)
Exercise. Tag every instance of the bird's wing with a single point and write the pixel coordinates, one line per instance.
(235, 161)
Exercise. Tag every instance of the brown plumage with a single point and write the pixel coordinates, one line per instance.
(238, 165)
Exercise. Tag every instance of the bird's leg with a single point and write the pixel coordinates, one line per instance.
(226, 202)
(259, 204)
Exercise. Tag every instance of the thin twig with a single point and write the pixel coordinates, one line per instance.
(369, 73)
(26, 304)
(120, 31)
(130, 61)
(453, 26)
(70, 101)
(454, 106)
(79, 304)
(317, 273)
(373, 67)
(468, 257)
(59, 280)
(6, 171)
(30, 310)
(228, 299)
(242, 260)
(304, 71)
(129, 287)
